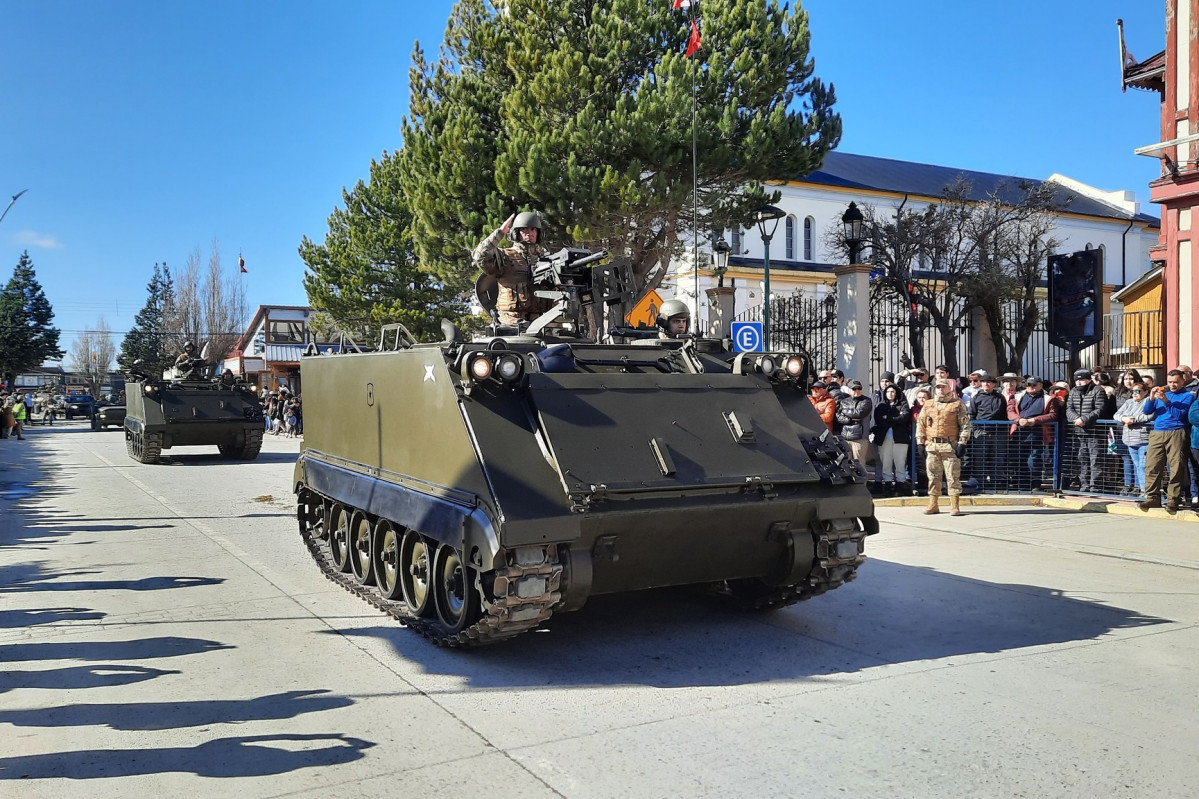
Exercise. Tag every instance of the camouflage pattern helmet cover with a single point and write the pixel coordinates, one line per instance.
(526, 219)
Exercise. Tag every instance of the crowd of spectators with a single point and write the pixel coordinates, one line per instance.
(1125, 436)
(283, 413)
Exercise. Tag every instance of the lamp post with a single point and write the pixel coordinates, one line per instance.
(15, 197)
(852, 222)
(720, 255)
(767, 219)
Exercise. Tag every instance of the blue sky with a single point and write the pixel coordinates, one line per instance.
(146, 130)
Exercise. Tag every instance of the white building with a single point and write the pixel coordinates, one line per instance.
(801, 260)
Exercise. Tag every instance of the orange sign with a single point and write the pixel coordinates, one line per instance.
(645, 312)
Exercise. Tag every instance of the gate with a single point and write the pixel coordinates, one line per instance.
(801, 324)
(889, 326)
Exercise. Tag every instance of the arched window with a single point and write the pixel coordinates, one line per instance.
(1088, 247)
(790, 238)
(736, 234)
(809, 233)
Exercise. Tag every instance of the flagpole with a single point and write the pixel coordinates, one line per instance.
(694, 177)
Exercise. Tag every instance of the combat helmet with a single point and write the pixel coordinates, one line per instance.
(526, 219)
(672, 309)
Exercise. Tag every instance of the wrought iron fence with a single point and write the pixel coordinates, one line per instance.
(801, 323)
(1040, 357)
(890, 319)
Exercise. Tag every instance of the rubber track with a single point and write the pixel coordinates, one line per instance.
(509, 616)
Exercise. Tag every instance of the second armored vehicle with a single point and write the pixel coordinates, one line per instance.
(188, 406)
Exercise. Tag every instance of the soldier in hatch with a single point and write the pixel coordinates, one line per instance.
(512, 267)
(674, 319)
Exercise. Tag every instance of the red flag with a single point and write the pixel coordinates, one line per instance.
(694, 42)
(681, 4)
(242, 263)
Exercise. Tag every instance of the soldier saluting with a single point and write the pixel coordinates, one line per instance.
(512, 267)
(943, 428)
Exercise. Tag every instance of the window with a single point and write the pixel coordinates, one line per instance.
(790, 238)
(736, 241)
(286, 333)
(809, 231)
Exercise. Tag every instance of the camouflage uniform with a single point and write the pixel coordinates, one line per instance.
(943, 424)
(512, 267)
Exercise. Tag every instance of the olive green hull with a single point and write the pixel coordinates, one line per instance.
(640, 480)
(199, 414)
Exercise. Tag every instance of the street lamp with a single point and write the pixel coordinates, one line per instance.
(851, 221)
(767, 219)
(15, 197)
(720, 254)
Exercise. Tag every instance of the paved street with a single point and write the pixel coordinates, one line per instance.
(164, 632)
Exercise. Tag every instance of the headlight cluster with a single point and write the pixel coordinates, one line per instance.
(776, 366)
(150, 390)
(503, 367)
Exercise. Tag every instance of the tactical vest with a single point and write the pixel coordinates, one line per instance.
(942, 419)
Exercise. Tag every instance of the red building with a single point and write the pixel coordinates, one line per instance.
(1174, 75)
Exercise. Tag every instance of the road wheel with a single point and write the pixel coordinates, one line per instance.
(339, 537)
(386, 560)
(454, 591)
(415, 561)
(310, 513)
(360, 548)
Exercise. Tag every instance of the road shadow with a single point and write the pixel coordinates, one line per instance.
(17, 619)
(244, 756)
(72, 678)
(49, 582)
(174, 715)
(670, 638)
(104, 651)
(170, 458)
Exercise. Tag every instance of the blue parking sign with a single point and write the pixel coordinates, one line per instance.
(747, 336)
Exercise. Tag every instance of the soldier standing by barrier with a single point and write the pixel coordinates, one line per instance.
(943, 427)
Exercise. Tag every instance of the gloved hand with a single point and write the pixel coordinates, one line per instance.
(961, 450)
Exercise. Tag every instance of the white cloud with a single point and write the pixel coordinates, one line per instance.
(31, 238)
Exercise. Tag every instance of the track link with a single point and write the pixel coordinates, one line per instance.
(525, 591)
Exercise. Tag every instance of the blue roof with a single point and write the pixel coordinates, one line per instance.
(849, 171)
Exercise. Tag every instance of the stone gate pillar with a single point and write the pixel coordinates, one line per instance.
(721, 311)
(854, 346)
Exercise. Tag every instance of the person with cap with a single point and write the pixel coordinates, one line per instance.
(854, 416)
(988, 456)
(1034, 415)
(512, 267)
(1170, 407)
(823, 402)
(943, 428)
(1060, 389)
(1084, 405)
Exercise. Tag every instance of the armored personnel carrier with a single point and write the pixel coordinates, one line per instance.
(189, 406)
(470, 489)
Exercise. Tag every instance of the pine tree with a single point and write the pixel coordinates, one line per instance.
(27, 337)
(145, 341)
(365, 275)
(582, 111)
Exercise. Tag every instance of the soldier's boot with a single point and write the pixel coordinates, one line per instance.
(955, 508)
(932, 506)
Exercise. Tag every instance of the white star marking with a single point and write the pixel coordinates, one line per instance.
(429, 378)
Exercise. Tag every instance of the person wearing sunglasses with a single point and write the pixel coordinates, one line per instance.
(1136, 424)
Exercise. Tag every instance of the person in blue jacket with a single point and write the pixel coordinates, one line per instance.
(1170, 407)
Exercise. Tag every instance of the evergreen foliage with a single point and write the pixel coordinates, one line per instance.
(365, 274)
(582, 111)
(27, 337)
(146, 340)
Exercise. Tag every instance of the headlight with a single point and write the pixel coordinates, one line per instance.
(149, 390)
(793, 366)
(767, 365)
(510, 367)
(480, 367)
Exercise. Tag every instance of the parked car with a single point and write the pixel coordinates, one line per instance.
(107, 415)
(80, 405)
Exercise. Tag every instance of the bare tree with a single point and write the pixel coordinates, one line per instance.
(208, 307)
(959, 253)
(92, 355)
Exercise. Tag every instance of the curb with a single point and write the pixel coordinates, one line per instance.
(1061, 503)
